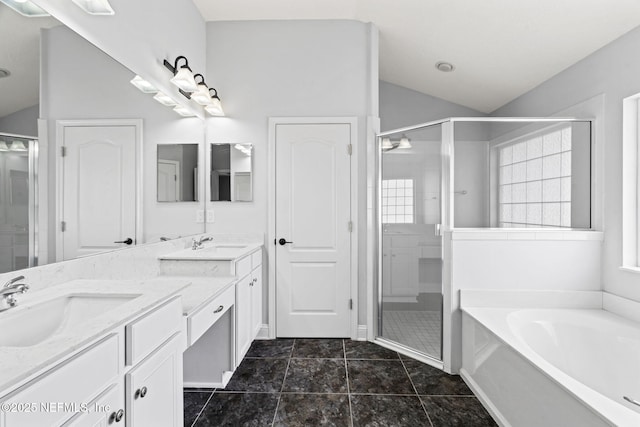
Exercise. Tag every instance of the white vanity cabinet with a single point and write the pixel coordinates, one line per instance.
(248, 302)
(151, 397)
(131, 376)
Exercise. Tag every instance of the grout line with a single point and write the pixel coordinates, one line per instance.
(286, 371)
(346, 370)
(417, 394)
(201, 409)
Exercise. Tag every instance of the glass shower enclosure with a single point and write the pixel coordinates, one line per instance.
(18, 207)
(461, 173)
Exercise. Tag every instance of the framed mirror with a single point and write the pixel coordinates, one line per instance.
(177, 167)
(231, 172)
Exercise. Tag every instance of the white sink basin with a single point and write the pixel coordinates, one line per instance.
(29, 325)
(225, 247)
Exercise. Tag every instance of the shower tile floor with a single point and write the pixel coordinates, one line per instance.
(334, 382)
(414, 328)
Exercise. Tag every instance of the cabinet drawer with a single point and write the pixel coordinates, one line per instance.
(201, 320)
(150, 331)
(243, 266)
(256, 258)
(59, 393)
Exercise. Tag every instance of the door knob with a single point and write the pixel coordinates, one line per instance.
(127, 241)
(283, 242)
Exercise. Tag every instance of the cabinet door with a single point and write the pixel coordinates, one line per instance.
(243, 317)
(106, 410)
(404, 272)
(154, 388)
(256, 301)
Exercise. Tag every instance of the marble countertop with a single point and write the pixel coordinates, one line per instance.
(213, 251)
(19, 363)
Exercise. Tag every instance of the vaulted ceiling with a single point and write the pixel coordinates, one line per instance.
(500, 48)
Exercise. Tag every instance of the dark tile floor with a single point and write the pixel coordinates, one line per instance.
(311, 382)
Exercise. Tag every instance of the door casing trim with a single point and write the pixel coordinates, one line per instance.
(271, 212)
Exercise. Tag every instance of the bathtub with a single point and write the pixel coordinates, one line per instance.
(553, 366)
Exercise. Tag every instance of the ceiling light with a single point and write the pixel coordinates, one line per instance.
(183, 76)
(445, 67)
(386, 144)
(4, 146)
(201, 95)
(164, 99)
(25, 8)
(215, 107)
(183, 111)
(143, 85)
(404, 142)
(18, 146)
(95, 7)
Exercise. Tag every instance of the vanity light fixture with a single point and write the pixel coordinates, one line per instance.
(244, 149)
(183, 111)
(95, 7)
(25, 8)
(215, 107)
(201, 95)
(165, 99)
(404, 142)
(143, 85)
(183, 76)
(4, 146)
(18, 146)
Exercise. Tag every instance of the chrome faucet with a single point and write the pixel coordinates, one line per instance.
(197, 243)
(9, 291)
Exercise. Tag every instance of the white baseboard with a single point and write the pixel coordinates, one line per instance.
(362, 333)
(263, 333)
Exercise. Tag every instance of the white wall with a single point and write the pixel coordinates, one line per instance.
(141, 34)
(23, 122)
(612, 73)
(81, 82)
(265, 69)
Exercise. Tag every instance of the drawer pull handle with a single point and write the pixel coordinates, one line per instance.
(116, 416)
(141, 392)
(219, 309)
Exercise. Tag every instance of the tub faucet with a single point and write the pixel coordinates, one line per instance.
(9, 291)
(197, 243)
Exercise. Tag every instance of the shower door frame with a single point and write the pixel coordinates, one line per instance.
(33, 205)
(451, 360)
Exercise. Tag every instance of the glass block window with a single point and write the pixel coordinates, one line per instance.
(535, 181)
(397, 201)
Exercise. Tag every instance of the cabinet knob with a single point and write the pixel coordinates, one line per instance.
(116, 416)
(219, 309)
(141, 392)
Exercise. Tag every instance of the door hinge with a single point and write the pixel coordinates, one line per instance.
(63, 151)
(350, 226)
(63, 226)
(351, 304)
(350, 149)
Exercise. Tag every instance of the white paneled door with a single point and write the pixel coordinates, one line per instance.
(98, 209)
(313, 238)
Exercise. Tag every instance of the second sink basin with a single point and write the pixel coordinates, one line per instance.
(30, 325)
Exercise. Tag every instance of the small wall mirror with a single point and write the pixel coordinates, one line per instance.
(178, 173)
(231, 169)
